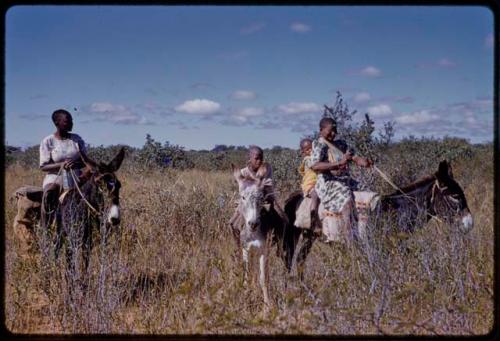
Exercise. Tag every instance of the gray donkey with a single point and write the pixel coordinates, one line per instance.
(260, 223)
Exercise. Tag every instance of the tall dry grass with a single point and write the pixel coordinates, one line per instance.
(173, 268)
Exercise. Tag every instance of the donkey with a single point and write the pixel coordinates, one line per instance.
(93, 204)
(436, 196)
(260, 223)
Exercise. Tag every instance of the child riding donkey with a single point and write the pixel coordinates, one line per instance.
(257, 168)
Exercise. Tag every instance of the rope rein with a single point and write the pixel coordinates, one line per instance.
(72, 172)
(386, 178)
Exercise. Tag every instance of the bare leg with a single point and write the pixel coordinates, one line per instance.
(315, 222)
(280, 211)
(49, 204)
(346, 221)
(307, 242)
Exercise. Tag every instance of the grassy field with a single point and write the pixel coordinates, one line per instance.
(174, 268)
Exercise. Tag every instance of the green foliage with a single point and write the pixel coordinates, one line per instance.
(10, 153)
(155, 155)
(359, 135)
(413, 158)
(30, 157)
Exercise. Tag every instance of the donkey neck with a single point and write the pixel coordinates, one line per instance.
(416, 189)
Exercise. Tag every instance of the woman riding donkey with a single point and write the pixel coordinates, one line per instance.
(60, 153)
(330, 160)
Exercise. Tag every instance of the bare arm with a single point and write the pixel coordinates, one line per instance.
(328, 166)
(68, 164)
(52, 166)
(362, 161)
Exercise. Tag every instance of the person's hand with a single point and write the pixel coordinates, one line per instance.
(364, 162)
(68, 164)
(346, 158)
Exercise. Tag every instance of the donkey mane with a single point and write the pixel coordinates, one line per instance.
(414, 186)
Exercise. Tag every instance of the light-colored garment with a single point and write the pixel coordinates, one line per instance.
(332, 187)
(53, 150)
(266, 173)
(309, 177)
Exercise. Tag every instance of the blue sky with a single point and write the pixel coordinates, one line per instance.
(204, 75)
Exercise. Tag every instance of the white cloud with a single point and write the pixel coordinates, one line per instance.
(471, 120)
(361, 97)
(116, 113)
(243, 95)
(249, 112)
(445, 62)
(370, 71)
(243, 116)
(299, 107)
(380, 110)
(419, 117)
(198, 107)
(488, 41)
(101, 107)
(300, 27)
(255, 27)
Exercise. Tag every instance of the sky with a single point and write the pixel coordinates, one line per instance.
(198, 76)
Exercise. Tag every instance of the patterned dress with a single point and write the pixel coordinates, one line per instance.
(334, 188)
(53, 150)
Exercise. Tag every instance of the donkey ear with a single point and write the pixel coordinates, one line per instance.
(88, 162)
(444, 170)
(117, 161)
(236, 173)
(102, 167)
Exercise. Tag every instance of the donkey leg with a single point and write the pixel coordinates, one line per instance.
(87, 247)
(308, 239)
(263, 276)
(244, 254)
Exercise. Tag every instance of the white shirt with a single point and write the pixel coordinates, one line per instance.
(53, 150)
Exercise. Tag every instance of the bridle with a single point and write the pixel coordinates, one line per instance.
(446, 198)
(114, 181)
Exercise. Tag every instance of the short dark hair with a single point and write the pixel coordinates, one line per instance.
(304, 141)
(58, 113)
(327, 121)
(254, 148)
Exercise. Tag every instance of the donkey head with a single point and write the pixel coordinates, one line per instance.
(103, 177)
(251, 190)
(448, 198)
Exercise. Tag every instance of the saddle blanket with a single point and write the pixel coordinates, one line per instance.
(362, 199)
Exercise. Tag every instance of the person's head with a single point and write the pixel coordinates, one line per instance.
(306, 146)
(255, 157)
(62, 120)
(327, 128)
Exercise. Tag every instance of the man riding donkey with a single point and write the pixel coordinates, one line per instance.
(257, 168)
(329, 159)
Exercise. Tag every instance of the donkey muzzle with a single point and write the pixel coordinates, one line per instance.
(467, 222)
(253, 224)
(114, 215)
